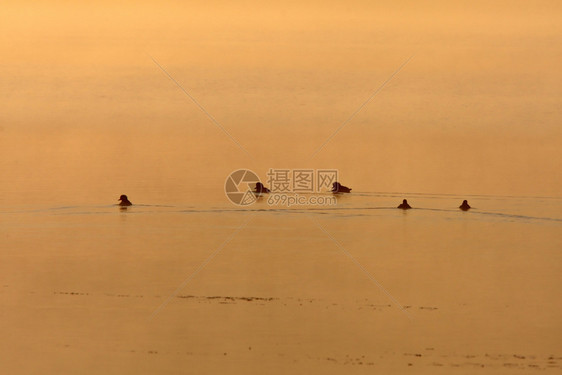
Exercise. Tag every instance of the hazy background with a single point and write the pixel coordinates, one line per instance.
(86, 115)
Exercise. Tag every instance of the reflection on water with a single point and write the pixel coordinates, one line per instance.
(480, 286)
(87, 116)
(361, 204)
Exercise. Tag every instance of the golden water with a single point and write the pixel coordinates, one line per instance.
(186, 282)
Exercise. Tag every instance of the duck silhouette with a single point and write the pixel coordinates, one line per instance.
(404, 205)
(339, 188)
(260, 189)
(464, 206)
(124, 201)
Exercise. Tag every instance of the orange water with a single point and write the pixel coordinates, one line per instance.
(184, 281)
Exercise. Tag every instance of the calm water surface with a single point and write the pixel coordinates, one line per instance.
(216, 288)
(185, 282)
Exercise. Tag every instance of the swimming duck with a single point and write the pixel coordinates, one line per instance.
(260, 189)
(339, 188)
(124, 201)
(464, 206)
(404, 205)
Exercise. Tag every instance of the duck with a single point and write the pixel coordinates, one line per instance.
(404, 205)
(124, 201)
(464, 206)
(260, 189)
(339, 188)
